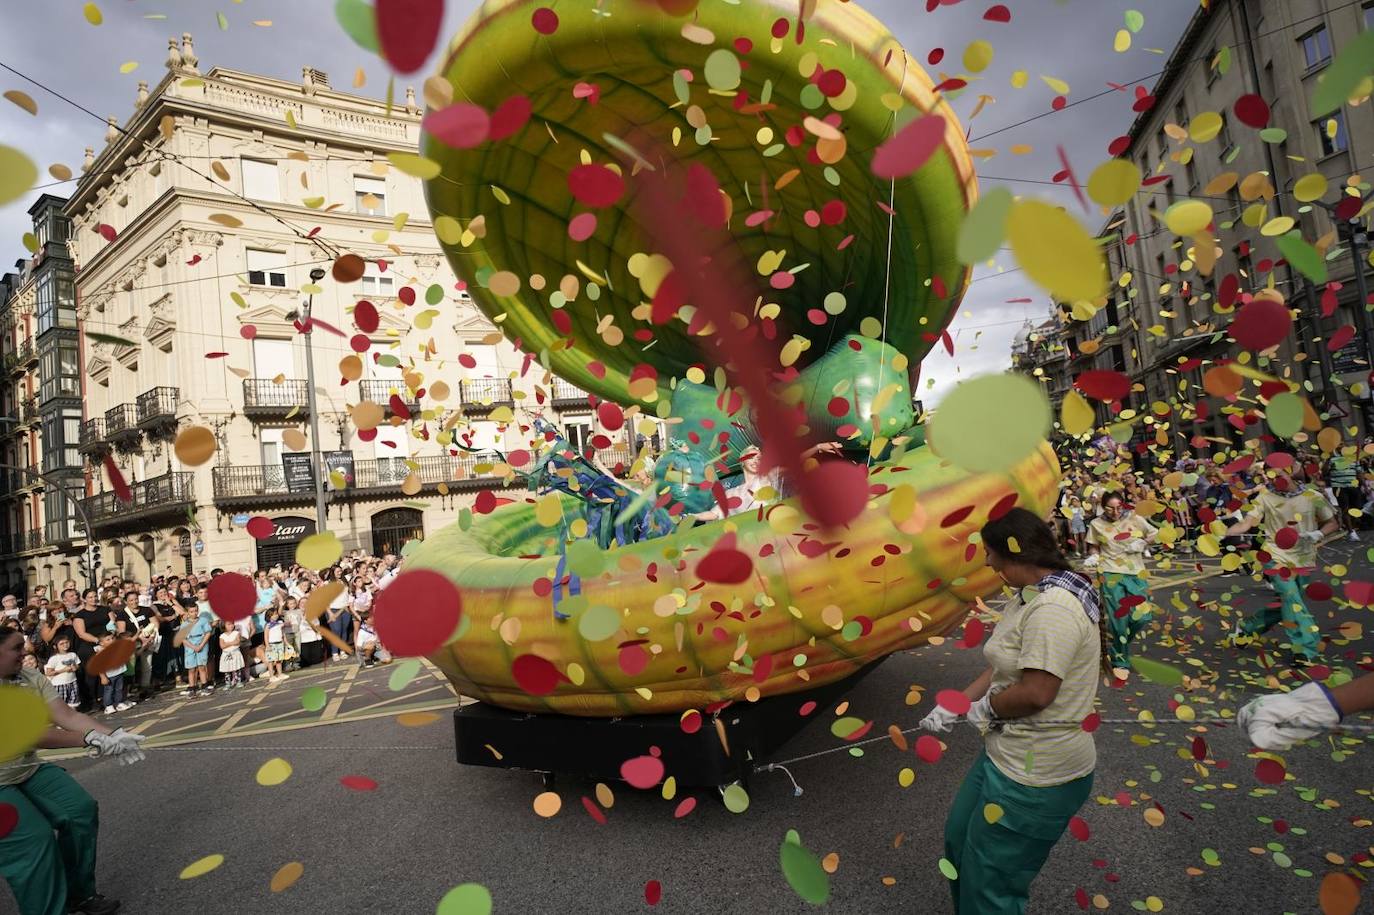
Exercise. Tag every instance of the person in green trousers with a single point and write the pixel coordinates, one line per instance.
(1044, 657)
(1117, 542)
(48, 856)
(1294, 519)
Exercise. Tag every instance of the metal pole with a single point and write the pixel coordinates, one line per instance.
(315, 458)
(76, 504)
(1354, 232)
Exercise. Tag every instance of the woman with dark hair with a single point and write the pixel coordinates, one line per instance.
(1044, 657)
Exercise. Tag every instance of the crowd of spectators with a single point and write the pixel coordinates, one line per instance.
(179, 642)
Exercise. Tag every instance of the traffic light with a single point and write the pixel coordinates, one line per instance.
(90, 563)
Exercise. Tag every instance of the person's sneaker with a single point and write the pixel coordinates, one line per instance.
(95, 905)
(124, 706)
(192, 693)
(286, 676)
(1354, 537)
(210, 688)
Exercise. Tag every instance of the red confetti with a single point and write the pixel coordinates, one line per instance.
(1078, 828)
(687, 806)
(1104, 385)
(997, 13)
(910, 147)
(954, 517)
(610, 415)
(928, 749)
(121, 488)
(653, 892)
(1340, 338)
(1199, 749)
(533, 674)
(1004, 505)
(9, 818)
(1360, 592)
(953, 700)
(974, 630)
(690, 722)
(1261, 323)
(593, 811)
(726, 566)
(1286, 538)
(1319, 590)
(358, 783)
(1270, 772)
(417, 613)
(232, 596)
(595, 185)
(545, 21)
(365, 316)
(509, 118)
(107, 232)
(642, 772)
(1252, 111)
(460, 125)
(408, 30)
(582, 226)
(1091, 723)
(835, 492)
(260, 527)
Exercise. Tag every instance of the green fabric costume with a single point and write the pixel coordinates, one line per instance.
(45, 870)
(1124, 625)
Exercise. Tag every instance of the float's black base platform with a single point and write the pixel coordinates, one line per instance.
(594, 748)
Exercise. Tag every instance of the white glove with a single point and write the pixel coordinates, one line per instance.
(1137, 545)
(1314, 536)
(126, 747)
(981, 715)
(1092, 561)
(1278, 720)
(939, 721)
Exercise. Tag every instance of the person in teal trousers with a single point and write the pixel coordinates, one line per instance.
(1044, 658)
(48, 856)
(1117, 543)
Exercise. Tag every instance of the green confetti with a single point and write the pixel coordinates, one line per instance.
(109, 338)
(403, 674)
(736, 798)
(434, 294)
(223, 22)
(1302, 256)
(1135, 20)
(314, 698)
(984, 227)
(1284, 414)
(1160, 673)
(1343, 77)
(465, 899)
(803, 871)
(359, 21)
(948, 869)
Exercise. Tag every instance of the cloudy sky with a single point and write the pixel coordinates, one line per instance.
(1068, 40)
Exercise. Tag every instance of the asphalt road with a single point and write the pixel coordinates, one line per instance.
(1227, 843)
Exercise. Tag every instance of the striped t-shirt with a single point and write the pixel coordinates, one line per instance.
(1050, 631)
(1111, 539)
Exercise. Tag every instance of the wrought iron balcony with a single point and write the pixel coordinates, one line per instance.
(379, 390)
(27, 353)
(372, 477)
(486, 394)
(157, 408)
(121, 426)
(28, 411)
(564, 394)
(264, 398)
(31, 540)
(92, 439)
(169, 494)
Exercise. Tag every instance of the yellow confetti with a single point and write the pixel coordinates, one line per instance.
(202, 867)
(92, 14)
(128, 66)
(319, 551)
(1056, 251)
(414, 165)
(273, 772)
(1058, 85)
(286, 875)
(23, 100)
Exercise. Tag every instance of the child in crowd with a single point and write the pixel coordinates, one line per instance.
(61, 670)
(112, 683)
(276, 644)
(196, 652)
(1078, 526)
(231, 657)
(366, 640)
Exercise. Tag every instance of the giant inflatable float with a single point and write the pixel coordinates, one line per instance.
(785, 104)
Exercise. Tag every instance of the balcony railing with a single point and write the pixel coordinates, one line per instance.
(157, 407)
(264, 397)
(485, 394)
(32, 540)
(379, 390)
(26, 354)
(121, 423)
(92, 436)
(247, 482)
(566, 394)
(167, 494)
(28, 411)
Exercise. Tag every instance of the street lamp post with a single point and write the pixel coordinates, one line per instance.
(315, 457)
(75, 503)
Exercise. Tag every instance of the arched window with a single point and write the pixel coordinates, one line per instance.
(394, 527)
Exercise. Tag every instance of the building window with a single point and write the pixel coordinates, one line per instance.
(261, 180)
(1331, 133)
(272, 358)
(1224, 141)
(1244, 263)
(1213, 71)
(1316, 47)
(369, 195)
(58, 368)
(377, 284)
(51, 226)
(266, 268)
